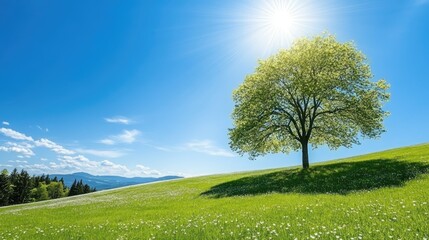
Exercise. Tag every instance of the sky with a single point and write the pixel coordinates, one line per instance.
(144, 88)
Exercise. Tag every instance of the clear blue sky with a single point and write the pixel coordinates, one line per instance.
(139, 88)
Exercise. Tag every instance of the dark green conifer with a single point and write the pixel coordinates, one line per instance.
(5, 188)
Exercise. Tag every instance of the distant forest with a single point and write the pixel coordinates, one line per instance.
(20, 187)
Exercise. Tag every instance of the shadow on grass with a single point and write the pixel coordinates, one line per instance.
(337, 178)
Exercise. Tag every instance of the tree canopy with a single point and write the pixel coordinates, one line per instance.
(20, 187)
(318, 92)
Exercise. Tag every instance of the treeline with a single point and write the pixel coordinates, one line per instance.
(20, 187)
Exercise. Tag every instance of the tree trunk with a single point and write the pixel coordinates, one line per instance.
(305, 163)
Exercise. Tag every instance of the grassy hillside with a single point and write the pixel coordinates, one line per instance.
(377, 196)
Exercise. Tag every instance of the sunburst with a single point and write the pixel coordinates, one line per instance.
(255, 29)
(275, 24)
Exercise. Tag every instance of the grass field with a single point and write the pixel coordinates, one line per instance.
(382, 195)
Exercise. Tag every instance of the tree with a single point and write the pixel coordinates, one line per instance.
(55, 190)
(73, 189)
(86, 188)
(80, 187)
(5, 188)
(42, 178)
(21, 185)
(40, 193)
(318, 92)
(64, 185)
(47, 179)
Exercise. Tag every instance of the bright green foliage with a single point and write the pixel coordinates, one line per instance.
(376, 196)
(19, 188)
(55, 190)
(40, 193)
(318, 92)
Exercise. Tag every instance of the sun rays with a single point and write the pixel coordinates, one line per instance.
(276, 24)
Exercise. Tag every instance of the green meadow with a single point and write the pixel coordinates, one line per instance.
(382, 195)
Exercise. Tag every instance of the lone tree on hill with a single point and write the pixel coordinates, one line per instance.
(318, 92)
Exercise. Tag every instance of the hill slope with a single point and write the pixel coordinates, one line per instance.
(377, 196)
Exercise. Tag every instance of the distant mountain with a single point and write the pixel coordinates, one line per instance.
(107, 182)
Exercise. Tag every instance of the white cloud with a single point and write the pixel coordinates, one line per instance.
(127, 136)
(5, 123)
(119, 119)
(114, 168)
(18, 161)
(15, 135)
(101, 153)
(21, 148)
(107, 141)
(105, 167)
(207, 147)
(181, 174)
(79, 162)
(111, 168)
(43, 142)
(68, 161)
(146, 170)
(53, 146)
(36, 168)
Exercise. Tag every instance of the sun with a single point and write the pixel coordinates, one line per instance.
(257, 29)
(277, 23)
(281, 19)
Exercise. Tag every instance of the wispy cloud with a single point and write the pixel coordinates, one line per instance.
(42, 129)
(15, 135)
(127, 136)
(75, 162)
(43, 142)
(107, 141)
(5, 123)
(164, 149)
(18, 161)
(53, 146)
(101, 153)
(146, 170)
(208, 147)
(20, 148)
(70, 164)
(113, 167)
(119, 120)
(69, 161)
(421, 2)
